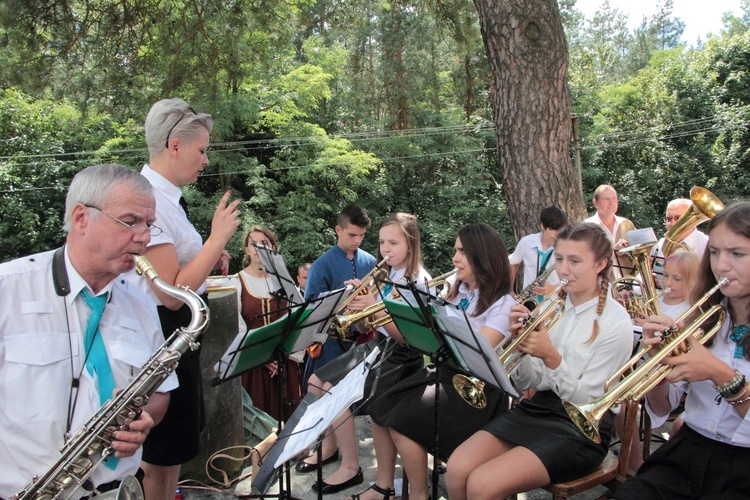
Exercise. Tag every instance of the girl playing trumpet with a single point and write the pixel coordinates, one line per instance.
(399, 241)
(710, 455)
(535, 443)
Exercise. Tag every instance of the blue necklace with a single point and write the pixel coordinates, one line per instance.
(737, 335)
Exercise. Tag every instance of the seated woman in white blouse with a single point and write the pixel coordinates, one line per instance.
(536, 443)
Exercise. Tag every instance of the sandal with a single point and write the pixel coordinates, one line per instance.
(386, 492)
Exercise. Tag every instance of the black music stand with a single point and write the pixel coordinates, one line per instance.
(310, 420)
(273, 263)
(299, 328)
(427, 325)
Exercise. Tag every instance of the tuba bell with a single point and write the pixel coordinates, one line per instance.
(705, 206)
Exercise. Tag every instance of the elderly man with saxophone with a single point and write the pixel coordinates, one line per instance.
(71, 332)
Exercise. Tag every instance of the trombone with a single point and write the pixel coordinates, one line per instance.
(647, 375)
(547, 314)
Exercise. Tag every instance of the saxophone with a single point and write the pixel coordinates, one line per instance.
(524, 296)
(92, 444)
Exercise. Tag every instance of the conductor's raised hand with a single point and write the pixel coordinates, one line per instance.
(226, 218)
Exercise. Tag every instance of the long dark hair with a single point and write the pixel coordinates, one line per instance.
(737, 219)
(485, 251)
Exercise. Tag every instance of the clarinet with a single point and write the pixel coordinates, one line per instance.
(91, 445)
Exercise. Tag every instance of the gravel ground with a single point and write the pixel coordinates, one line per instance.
(301, 484)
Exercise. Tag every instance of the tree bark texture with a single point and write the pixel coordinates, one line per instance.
(530, 101)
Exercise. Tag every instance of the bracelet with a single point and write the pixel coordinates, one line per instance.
(733, 386)
(741, 401)
(739, 393)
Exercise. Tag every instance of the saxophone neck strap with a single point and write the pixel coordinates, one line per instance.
(60, 273)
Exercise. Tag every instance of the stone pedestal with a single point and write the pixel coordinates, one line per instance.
(224, 424)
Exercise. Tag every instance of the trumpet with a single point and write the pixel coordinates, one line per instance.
(337, 327)
(346, 321)
(648, 375)
(549, 313)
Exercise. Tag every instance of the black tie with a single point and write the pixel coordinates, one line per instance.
(184, 205)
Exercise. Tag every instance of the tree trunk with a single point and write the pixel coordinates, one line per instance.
(530, 101)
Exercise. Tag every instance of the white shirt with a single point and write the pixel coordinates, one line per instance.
(40, 353)
(527, 252)
(697, 242)
(597, 220)
(719, 422)
(585, 366)
(497, 316)
(397, 276)
(176, 228)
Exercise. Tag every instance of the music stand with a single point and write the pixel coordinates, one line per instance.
(310, 420)
(299, 328)
(274, 264)
(442, 331)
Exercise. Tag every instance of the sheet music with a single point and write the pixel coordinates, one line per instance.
(274, 264)
(313, 328)
(472, 351)
(638, 236)
(321, 414)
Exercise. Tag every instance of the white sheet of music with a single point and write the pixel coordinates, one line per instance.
(321, 414)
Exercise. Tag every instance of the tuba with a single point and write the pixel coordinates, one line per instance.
(646, 376)
(547, 314)
(92, 444)
(705, 206)
(647, 304)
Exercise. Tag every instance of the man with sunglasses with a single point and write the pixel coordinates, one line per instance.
(72, 332)
(695, 240)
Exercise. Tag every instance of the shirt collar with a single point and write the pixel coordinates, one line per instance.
(342, 252)
(580, 309)
(172, 192)
(77, 283)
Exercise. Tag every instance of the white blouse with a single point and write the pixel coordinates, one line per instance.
(585, 366)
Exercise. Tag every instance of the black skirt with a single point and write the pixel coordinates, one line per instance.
(409, 408)
(176, 439)
(542, 425)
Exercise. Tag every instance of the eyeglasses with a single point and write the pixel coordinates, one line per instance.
(184, 113)
(138, 229)
(670, 218)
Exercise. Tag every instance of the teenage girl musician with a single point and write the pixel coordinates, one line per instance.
(710, 455)
(535, 442)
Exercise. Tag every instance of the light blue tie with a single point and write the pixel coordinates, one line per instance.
(97, 362)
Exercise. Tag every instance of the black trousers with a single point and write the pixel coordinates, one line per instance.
(691, 466)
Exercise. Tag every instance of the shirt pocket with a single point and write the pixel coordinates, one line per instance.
(37, 376)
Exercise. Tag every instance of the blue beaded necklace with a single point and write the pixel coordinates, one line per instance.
(737, 335)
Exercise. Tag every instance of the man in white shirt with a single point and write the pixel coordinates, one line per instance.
(606, 203)
(694, 240)
(55, 372)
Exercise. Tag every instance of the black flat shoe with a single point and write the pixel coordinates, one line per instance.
(303, 466)
(358, 478)
(386, 492)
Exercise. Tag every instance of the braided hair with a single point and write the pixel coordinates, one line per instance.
(601, 247)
